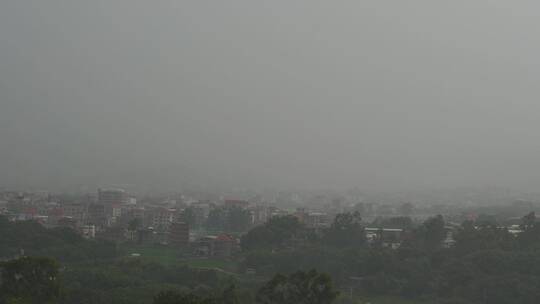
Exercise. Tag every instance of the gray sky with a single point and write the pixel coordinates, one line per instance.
(376, 94)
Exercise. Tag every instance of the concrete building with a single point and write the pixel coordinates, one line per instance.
(160, 218)
(317, 220)
(76, 211)
(259, 214)
(200, 213)
(109, 197)
(97, 215)
(387, 237)
(88, 231)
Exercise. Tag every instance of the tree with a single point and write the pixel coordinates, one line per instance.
(272, 235)
(431, 233)
(227, 296)
(238, 219)
(530, 237)
(217, 219)
(346, 231)
(134, 224)
(30, 280)
(470, 239)
(298, 288)
(174, 297)
(402, 222)
(528, 221)
(485, 220)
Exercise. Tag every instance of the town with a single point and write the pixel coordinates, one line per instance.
(247, 238)
(211, 225)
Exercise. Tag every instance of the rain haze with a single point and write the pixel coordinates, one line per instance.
(381, 95)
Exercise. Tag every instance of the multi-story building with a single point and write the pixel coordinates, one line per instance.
(160, 218)
(317, 220)
(200, 213)
(260, 214)
(76, 211)
(97, 215)
(111, 200)
(88, 231)
(130, 212)
(112, 196)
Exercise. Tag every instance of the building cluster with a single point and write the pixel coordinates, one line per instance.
(116, 215)
(183, 220)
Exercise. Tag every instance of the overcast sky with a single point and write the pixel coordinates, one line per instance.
(383, 95)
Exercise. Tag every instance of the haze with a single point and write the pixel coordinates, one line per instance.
(381, 95)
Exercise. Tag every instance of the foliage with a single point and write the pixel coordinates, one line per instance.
(134, 224)
(487, 264)
(29, 280)
(272, 235)
(401, 222)
(227, 296)
(298, 288)
(63, 244)
(133, 279)
(172, 297)
(345, 231)
(430, 234)
(528, 221)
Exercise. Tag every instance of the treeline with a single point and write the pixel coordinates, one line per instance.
(133, 281)
(65, 245)
(487, 264)
(30, 280)
(220, 218)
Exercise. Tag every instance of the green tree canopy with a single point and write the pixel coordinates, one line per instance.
(300, 287)
(346, 231)
(273, 234)
(31, 280)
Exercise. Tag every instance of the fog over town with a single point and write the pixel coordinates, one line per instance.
(269, 152)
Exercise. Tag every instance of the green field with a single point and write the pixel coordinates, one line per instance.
(170, 257)
(389, 300)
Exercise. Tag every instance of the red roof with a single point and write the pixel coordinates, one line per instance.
(224, 238)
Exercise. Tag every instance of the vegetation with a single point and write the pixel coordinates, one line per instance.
(62, 244)
(272, 235)
(487, 264)
(29, 280)
(134, 280)
(298, 288)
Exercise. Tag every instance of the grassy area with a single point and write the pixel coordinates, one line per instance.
(389, 300)
(171, 256)
(159, 254)
(206, 263)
